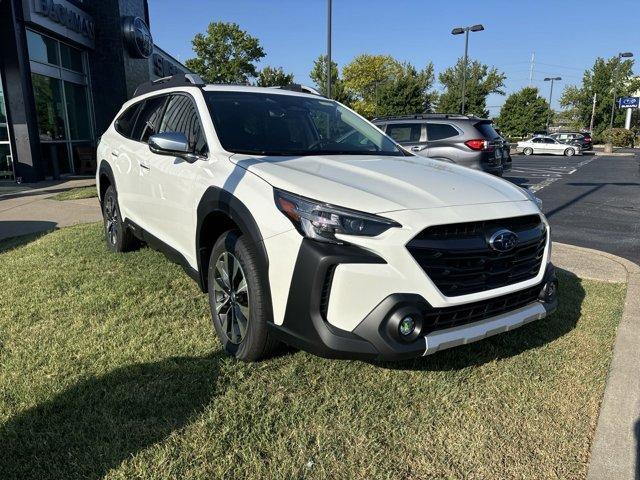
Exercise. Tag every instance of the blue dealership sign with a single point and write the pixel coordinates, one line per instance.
(629, 102)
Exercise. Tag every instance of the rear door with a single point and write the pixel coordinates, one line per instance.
(410, 135)
(140, 203)
(441, 137)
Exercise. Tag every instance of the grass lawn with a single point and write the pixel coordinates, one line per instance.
(76, 193)
(109, 369)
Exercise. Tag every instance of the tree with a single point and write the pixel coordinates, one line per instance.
(274, 77)
(364, 76)
(225, 54)
(481, 82)
(409, 93)
(599, 80)
(523, 113)
(319, 76)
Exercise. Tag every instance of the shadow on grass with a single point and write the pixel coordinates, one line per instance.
(637, 452)
(508, 344)
(96, 424)
(39, 229)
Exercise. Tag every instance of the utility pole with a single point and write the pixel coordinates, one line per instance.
(328, 48)
(533, 59)
(593, 113)
(550, 79)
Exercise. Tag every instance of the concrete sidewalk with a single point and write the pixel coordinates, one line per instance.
(30, 210)
(615, 453)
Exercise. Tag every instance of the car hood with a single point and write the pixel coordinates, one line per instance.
(378, 184)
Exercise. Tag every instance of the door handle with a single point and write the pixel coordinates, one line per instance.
(418, 148)
(144, 166)
(115, 153)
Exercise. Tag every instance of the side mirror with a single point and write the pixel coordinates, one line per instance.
(173, 144)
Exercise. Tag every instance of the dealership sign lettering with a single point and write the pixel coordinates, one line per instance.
(64, 18)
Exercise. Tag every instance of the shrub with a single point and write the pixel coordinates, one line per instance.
(619, 137)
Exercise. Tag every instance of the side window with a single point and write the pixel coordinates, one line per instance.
(537, 140)
(404, 132)
(440, 131)
(181, 116)
(124, 123)
(148, 120)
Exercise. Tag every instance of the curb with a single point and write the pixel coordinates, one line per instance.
(615, 452)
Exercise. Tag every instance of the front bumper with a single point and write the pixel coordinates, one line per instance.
(376, 337)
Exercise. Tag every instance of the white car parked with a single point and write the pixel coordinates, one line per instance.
(343, 245)
(548, 146)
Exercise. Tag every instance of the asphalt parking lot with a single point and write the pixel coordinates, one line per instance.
(591, 201)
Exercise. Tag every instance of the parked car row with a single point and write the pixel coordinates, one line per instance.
(462, 139)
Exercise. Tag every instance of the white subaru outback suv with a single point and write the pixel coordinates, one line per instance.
(308, 225)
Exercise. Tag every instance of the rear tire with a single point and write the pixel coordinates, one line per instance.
(569, 152)
(118, 237)
(528, 151)
(238, 299)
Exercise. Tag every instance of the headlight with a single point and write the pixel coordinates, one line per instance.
(533, 198)
(321, 221)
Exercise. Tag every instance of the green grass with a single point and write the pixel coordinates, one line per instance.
(76, 193)
(109, 369)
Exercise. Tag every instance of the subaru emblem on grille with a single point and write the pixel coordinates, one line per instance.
(503, 240)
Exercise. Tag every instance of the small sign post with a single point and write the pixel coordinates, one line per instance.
(629, 103)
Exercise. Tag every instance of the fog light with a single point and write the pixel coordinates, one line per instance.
(407, 326)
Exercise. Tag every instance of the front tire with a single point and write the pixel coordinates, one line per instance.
(118, 237)
(569, 152)
(528, 151)
(238, 299)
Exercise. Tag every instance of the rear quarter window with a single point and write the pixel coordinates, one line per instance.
(124, 123)
(487, 130)
(440, 131)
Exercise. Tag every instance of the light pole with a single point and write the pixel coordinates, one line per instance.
(328, 48)
(460, 31)
(613, 80)
(550, 79)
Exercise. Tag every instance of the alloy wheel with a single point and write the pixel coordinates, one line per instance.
(111, 218)
(231, 297)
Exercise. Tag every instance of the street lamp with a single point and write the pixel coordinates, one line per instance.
(550, 79)
(460, 31)
(328, 48)
(613, 79)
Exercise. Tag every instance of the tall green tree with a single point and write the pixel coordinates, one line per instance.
(523, 113)
(410, 92)
(481, 82)
(600, 80)
(274, 77)
(319, 76)
(225, 54)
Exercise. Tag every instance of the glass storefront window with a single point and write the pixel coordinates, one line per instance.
(49, 108)
(4, 127)
(6, 168)
(84, 158)
(77, 111)
(71, 58)
(42, 49)
(55, 158)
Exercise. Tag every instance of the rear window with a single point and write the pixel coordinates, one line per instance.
(124, 123)
(404, 132)
(487, 130)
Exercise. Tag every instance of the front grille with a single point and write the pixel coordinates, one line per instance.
(459, 261)
(447, 317)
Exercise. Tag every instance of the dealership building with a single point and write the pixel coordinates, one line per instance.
(66, 67)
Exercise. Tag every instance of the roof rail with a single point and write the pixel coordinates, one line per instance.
(296, 87)
(180, 80)
(425, 116)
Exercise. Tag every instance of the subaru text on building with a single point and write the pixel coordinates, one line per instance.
(306, 224)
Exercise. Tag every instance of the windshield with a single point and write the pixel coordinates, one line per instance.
(276, 124)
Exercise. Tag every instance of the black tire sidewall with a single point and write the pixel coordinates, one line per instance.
(528, 151)
(569, 152)
(251, 346)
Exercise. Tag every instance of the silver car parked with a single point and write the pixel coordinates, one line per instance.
(547, 145)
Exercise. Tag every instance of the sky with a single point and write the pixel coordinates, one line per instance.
(565, 35)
